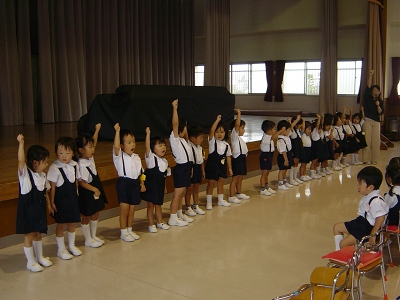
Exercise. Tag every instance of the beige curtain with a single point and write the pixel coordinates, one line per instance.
(217, 60)
(328, 85)
(373, 59)
(88, 48)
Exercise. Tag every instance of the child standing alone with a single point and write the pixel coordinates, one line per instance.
(91, 194)
(239, 156)
(32, 202)
(129, 183)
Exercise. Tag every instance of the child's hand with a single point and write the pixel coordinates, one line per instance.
(298, 117)
(98, 126)
(351, 109)
(344, 109)
(362, 108)
(318, 116)
(288, 119)
(230, 171)
(219, 118)
(97, 192)
(20, 138)
(50, 209)
(203, 175)
(372, 240)
(148, 130)
(237, 111)
(116, 127)
(142, 187)
(175, 104)
(286, 162)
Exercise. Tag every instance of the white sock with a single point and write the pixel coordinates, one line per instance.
(124, 231)
(179, 213)
(60, 243)
(356, 157)
(209, 198)
(38, 247)
(291, 171)
(220, 197)
(71, 239)
(93, 228)
(338, 238)
(352, 158)
(86, 232)
(30, 257)
(173, 216)
(323, 170)
(312, 172)
(296, 171)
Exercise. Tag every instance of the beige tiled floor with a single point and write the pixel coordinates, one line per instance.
(264, 247)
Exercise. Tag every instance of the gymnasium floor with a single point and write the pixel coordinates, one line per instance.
(264, 247)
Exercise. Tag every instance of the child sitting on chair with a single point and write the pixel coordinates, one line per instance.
(372, 211)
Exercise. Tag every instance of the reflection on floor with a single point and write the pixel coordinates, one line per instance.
(264, 247)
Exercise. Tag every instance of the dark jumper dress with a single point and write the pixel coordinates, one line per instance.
(88, 206)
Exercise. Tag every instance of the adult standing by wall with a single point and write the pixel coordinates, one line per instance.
(373, 109)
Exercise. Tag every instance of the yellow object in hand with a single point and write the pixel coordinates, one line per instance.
(142, 177)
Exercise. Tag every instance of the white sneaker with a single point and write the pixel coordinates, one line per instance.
(75, 250)
(293, 182)
(304, 178)
(328, 171)
(127, 237)
(357, 163)
(298, 180)
(342, 166)
(337, 168)
(93, 243)
(189, 212)
(234, 200)
(265, 193)
(223, 203)
(97, 239)
(242, 196)
(134, 235)
(186, 218)
(321, 174)
(346, 165)
(198, 210)
(163, 226)
(309, 177)
(153, 229)
(64, 254)
(209, 206)
(177, 222)
(282, 187)
(288, 185)
(45, 261)
(34, 267)
(271, 191)
(315, 176)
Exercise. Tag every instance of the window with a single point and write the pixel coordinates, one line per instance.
(348, 77)
(301, 78)
(248, 78)
(199, 75)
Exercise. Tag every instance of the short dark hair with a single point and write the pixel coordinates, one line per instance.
(225, 128)
(82, 140)
(393, 172)
(36, 152)
(281, 124)
(195, 131)
(376, 87)
(232, 125)
(156, 140)
(394, 160)
(123, 133)
(299, 122)
(356, 115)
(67, 142)
(307, 124)
(267, 125)
(336, 117)
(371, 175)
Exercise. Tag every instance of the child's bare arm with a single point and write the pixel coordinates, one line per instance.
(229, 163)
(89, 187)
(275, 135)
(318, 121)
(362, 112)
(21, 152)
(237, 121)
(96, 134)
(175, 118)
(295, 121)
(117, 144)
(52, 195)
(48, 202)
(213, 127)
(369, 80)
(285, 158)
(147, 142)
(378, 224)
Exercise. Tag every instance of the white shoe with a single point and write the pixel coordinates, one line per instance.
(93, 243)
(328, 171)
(346, 165)
(209, 206)
(127, 237)
(34, 267)
(134, 235)
(342, 166)
(74, 250)
(337, 168)
(97, 239)
(223, 203)
(315, 176)
(293, 182)
(242, 196)
(177, 222)
(189, 212)
(309, 177)
(321, 174)
(153, 229)
(186, 218)
(45, 261)
(304, 178)
(234, 200)
(357, 163)
(64, 254)
(287, 184)
(163, 226)
(282, 187)
(298, 180)
(265, 193)
(198, 210)
(271, 191)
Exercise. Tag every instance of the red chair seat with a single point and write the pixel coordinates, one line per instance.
(343, 255)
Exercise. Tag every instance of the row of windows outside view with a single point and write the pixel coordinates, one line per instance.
(299, 78)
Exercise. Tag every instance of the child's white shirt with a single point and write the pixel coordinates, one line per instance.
(391, 201)
(54, 174)
(198, 153)
(315, 136)
(283, 144)
(150, 163)
(238, 143)
(39, 179)
(221, 147)
(356, 127)
(347, 128)
(267, 143)
(338, 133)
(377, 208)
(178, 147)
(133, 164)
(87, 162)
(327, 133)
(306, 139)
(294, 133)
